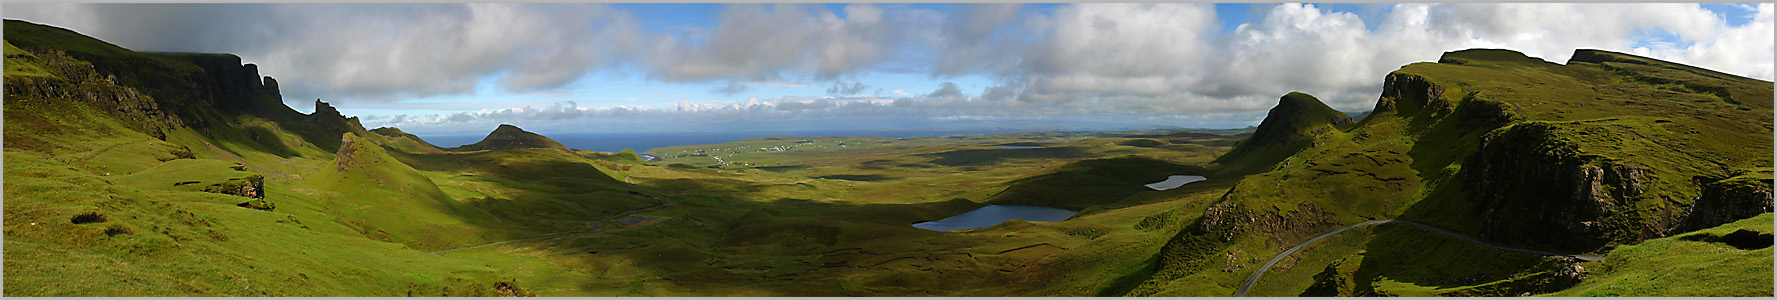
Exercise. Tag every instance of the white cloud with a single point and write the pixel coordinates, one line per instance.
(372, 51)
(761, 42)
(1093, 59)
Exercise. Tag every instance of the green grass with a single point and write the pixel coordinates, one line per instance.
(1298, 122)
(1076, 186)
(1688, 265)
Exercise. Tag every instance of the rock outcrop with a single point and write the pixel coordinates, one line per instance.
(252, 186)
(1534, 186)
(1729, 200)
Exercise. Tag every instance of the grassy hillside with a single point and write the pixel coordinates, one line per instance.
(1606, 151)
(1732, 260)
(511, 137)
(1294, 124)
(177, 173)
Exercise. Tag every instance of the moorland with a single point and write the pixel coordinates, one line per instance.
(184, 174)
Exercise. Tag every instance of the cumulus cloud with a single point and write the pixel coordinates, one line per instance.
(1161, 60)
(976, 39)
(766, 41)
(1168, 59)
(372, 51)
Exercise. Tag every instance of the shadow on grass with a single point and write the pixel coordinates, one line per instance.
(854, 177)
(783, 247)
(781, 169)
(1432, 262)
(988, 157)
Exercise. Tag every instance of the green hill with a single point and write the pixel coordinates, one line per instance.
(184, 174)
(1606, 151)
(511, 137)
(403, 141)
(1294, 124)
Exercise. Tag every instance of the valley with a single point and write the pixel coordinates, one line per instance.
(1486, 173)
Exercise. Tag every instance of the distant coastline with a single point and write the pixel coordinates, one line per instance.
(644, 141)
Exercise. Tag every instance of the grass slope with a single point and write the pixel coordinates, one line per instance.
(1289, 127)
(511, 137)
(1731, 260)
(1486, 142)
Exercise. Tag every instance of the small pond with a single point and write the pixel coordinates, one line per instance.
(994, 214)
(1174, 181)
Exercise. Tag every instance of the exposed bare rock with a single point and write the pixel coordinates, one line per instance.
(1727, 201)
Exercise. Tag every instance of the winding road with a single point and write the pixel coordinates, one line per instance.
(1254, 279)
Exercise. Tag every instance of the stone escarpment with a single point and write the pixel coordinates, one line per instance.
(1411, 94)
(1728, 200)
(328, 119)
(1535, 187)
(226, 82)
(76, 80)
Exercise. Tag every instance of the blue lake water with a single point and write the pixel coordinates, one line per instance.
(644, 141)
(1018, 147)
(994, 214)
(1174, 181)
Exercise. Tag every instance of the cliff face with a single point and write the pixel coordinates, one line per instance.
(1728, 200)
(1607, 150)
(70, 79)
(1411, 94)
(1535, 187)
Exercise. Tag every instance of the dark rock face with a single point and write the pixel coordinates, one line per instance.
(323, 110)
(226, 83)
(1727, 201)
(1411, 95)
(1535, 188)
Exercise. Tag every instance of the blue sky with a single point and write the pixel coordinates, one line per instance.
(444, 69)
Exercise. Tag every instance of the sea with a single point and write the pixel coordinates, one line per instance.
(644, 141)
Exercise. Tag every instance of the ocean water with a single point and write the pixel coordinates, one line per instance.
(644, 141)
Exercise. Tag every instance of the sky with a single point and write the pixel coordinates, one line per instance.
(462, 69)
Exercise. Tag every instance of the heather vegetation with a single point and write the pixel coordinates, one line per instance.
(181, 174)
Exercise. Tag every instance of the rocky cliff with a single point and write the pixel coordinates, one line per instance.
(1728, 200)
(1535, 187)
